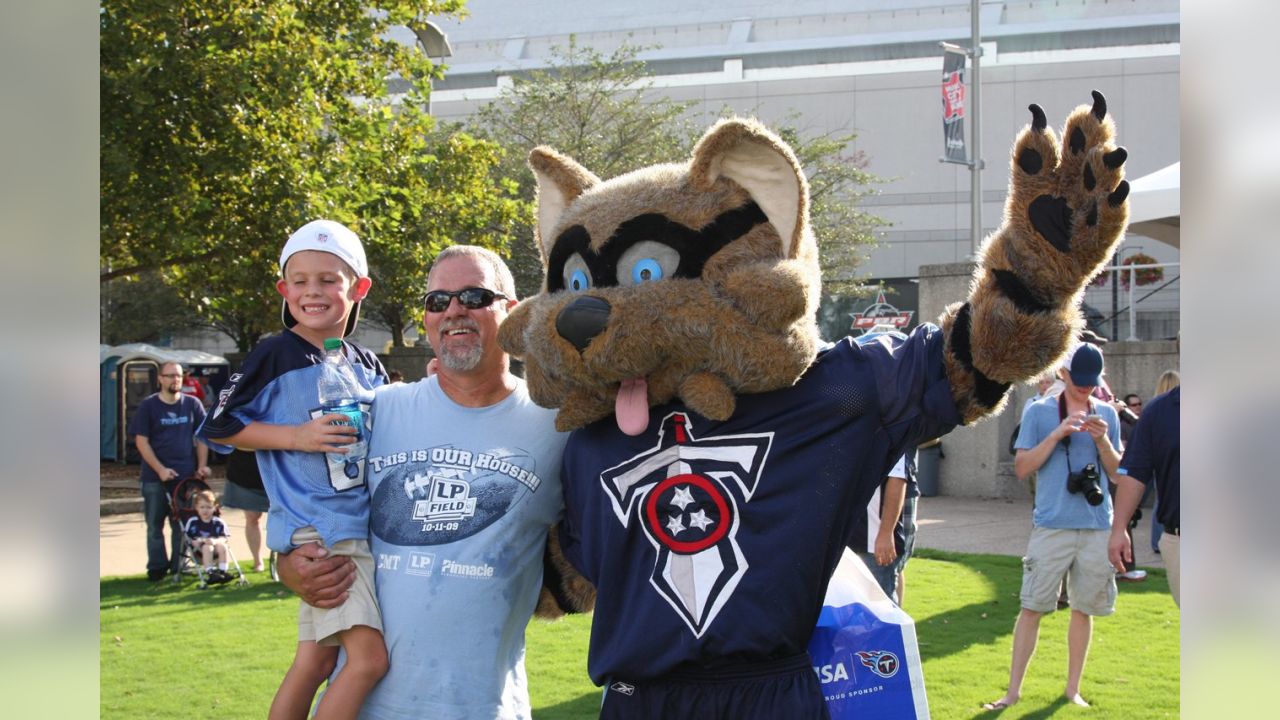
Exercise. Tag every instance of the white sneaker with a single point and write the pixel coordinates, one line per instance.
(1132, 576)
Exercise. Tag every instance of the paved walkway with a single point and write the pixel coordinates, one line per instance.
(946, 523)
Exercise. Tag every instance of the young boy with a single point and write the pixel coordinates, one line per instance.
(272, 405)
(208, 535)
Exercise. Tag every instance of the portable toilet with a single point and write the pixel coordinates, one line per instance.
(129, 373)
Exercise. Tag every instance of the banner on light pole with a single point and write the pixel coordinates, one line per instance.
(953, 107)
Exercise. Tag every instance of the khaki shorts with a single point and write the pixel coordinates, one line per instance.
(361, 606)
(1081, 555)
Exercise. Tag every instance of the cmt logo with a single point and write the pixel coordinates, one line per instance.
(421, 563)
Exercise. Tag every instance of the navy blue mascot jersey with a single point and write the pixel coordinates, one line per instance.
(716, 540)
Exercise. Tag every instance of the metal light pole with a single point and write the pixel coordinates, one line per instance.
(974, 102)
(975, 89)
(435, 44)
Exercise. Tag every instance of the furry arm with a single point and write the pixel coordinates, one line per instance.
(1065, 213)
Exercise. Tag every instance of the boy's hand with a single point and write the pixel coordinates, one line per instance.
(322, 435)
(320, 579)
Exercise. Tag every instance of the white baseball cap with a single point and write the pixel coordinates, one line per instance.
(336, 239)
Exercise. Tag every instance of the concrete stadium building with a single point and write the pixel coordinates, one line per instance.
(873, 68)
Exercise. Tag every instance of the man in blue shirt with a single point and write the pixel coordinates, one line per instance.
(164, 430)
(1155, 453)
(1073, 442)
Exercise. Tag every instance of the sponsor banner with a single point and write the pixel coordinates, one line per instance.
(953, 106)
(864, 650)
(881, 312)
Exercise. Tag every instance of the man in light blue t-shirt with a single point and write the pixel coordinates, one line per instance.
(464, 483)
(1072, 442)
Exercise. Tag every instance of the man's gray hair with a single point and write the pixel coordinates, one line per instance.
(501, 273)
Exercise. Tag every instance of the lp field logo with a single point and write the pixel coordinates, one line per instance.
(447, 501)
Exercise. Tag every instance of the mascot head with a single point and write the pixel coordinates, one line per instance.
(694, 281)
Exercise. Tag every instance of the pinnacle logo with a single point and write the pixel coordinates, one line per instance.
(686, 493)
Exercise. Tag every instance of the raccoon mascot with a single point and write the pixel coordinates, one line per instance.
(720, 448)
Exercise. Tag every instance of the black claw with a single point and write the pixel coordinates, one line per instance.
(1089, 180)
(1116, 198)
(1038, 120)
(1092, 218)
(1115, 158)
(1099, 105)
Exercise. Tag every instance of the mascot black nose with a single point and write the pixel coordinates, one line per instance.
(582, 320)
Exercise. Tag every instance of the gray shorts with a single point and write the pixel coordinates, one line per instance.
(243, 498)
(361, 606)
(1081, 555)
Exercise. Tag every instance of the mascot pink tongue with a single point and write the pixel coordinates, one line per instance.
(632, 406)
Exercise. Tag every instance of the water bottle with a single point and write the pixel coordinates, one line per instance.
(340, 393)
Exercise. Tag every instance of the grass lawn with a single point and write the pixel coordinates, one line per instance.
(177, 652)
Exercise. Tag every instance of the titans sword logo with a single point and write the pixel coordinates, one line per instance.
(686, 493)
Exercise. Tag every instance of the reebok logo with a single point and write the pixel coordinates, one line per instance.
(624, 688)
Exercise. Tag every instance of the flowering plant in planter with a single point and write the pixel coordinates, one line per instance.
(1144, 276)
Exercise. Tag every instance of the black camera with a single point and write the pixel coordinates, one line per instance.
(1088, 483)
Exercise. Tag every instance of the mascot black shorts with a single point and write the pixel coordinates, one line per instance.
(785, 688)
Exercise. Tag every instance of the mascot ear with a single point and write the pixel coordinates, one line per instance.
(753, 157)
(560, 182)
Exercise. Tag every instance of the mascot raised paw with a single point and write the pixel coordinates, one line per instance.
(720, 448)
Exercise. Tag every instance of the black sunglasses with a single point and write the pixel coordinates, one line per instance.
(472, 298)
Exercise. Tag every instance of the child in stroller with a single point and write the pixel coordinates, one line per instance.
(205, 537)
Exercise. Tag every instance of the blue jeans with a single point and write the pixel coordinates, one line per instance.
(887, 575)
(155, 508)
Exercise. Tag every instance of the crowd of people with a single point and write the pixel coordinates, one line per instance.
(1090, 459)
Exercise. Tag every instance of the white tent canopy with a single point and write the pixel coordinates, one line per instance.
(160, 354)
(1155, 205)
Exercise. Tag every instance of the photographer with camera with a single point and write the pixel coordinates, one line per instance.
(1072, 442)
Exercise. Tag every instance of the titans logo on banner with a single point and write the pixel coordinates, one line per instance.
(686, 493)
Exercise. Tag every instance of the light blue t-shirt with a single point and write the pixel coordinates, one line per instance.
(1055, 507)
(461, 502)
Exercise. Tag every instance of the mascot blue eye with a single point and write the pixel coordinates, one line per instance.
(577, 276)
(646, 270)
(647, 261)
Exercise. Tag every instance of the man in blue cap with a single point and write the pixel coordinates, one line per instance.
(1072, 442)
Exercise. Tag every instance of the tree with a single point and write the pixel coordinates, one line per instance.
(142, 308)
(428, 193)
(598, 110)
(603, 112)
(226, 124)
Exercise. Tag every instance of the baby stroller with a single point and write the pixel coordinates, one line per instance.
(183, 506)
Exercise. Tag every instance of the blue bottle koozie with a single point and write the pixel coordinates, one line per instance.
(339, 393)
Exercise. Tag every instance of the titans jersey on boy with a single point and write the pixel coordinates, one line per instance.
(714, 539)
(278, 384)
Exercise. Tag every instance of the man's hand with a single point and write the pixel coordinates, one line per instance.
(320, 579)
(1072, 423)
(169, 474)
(1095, 426)
(1120, 549)
(886, 553)
(203, 472)
(323, 435)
